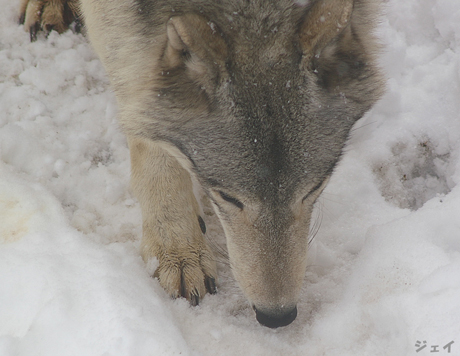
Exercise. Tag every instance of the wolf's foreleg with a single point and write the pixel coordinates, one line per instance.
(48, 15)
(171, 222)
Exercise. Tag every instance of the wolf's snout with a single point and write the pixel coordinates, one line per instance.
(275, 318)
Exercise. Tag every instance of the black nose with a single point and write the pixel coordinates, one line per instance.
(276, 319)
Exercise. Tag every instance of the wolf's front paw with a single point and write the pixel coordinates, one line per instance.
(48, 15)
(188, 272)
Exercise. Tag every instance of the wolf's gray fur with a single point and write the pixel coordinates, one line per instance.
(252, 99)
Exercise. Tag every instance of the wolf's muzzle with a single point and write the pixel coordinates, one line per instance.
(275, 319)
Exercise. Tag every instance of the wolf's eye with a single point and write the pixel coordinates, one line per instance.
(315, 188)
(232, 200)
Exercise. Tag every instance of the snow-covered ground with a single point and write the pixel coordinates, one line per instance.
(386, 277)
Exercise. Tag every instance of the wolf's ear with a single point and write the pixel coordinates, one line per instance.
(195, 41)
(324, 22)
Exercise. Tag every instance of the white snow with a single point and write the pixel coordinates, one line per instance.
(387, 270)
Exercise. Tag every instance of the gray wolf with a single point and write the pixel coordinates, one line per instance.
(254, 100)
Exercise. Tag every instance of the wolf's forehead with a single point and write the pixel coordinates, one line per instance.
(254, 59)
(265, 48)
(261, 17)
(261, 164)
(265, 29)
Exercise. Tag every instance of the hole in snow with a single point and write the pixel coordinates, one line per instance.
(414, 174)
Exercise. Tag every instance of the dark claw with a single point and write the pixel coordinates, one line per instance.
(194, 298)
(22, 18)
(77, 25)
(210, 284)
(48, 28)
(202, 225)
(33, 31)
(183, 290)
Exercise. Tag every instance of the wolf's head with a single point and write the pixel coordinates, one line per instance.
(259, 99)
